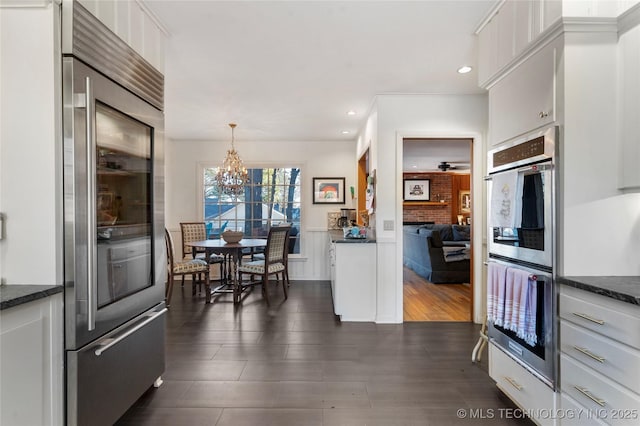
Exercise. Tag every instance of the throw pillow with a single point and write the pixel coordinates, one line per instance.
(461, 233)
(445, 232)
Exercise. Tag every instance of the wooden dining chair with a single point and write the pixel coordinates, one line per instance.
(274, 262)
(197, 231)
(194, 267)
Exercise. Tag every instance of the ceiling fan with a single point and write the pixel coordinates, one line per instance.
(453, 165)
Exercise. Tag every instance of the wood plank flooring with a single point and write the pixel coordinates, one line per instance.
(294, 364)
(424, 301)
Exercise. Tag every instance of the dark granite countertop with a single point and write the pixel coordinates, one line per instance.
(625, 289)
(337, 236)
(14, 295)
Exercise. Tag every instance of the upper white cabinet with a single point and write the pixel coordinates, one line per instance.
(134, 24)
(512, 28)
(524, 99)
(629, 107)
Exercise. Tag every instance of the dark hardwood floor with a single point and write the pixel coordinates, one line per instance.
(294, 364)
(425, 301)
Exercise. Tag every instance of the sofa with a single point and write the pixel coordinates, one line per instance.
(424, 252)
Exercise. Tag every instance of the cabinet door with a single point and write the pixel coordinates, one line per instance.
(523, 21)
(523, 100)
(487, 52)
(629, 90)
(506, 27)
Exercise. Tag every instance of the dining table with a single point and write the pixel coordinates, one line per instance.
(234, 251)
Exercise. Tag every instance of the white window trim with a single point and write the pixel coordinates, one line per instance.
(202, 165)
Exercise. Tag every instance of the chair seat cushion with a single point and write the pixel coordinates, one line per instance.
(215, 258)
(190, 266)
(257, 267)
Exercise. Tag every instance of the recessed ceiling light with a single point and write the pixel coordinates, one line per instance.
(414, 166)
(464, 69)
(351, 112)
(345, 132)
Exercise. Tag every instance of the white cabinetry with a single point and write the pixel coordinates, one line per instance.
(31, 384)
(526, 390)
(600, 357)
(524, 99)
(629, 107)
(134, 24)
(508, 33)
(353, 280)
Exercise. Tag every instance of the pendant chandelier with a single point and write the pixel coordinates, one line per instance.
(232, 176)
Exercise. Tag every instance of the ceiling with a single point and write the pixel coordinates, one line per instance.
(424, 155)
(291, 70)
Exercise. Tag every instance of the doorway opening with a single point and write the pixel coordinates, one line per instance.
(437, 252)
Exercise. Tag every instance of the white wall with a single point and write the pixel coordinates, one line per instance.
(600, 225)
(399, 116)
(317, 159)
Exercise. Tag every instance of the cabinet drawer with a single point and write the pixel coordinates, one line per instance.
(526, 390)
(604, 315)
(574, 414)
(610, 358)
(608, 400)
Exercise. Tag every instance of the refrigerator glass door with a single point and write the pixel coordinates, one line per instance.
(123, 204)
(115, 263)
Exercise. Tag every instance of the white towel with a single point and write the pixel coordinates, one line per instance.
(496, 279)
(503, 199)
(520, 305)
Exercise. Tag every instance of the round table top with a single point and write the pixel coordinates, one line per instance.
(243, 243)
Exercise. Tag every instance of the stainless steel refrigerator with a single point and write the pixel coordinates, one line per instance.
(115, 264)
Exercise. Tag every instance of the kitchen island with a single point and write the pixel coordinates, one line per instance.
(353, 276)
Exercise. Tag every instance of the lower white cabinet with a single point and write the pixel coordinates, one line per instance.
(31, 363)
(599, 358)
(522, 387)
(353, 280)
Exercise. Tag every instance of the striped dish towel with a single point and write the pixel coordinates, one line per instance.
(520, 305)
(496, 279)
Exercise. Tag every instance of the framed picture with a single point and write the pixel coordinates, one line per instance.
(416, 190)
(464, 201)
(328, 190)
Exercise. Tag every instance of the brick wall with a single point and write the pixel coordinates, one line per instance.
(440, 188)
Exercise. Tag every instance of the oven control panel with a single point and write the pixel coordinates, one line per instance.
(523, 151)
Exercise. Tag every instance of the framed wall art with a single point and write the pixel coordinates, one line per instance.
(416, 190)
(328, 190)
(464, 201)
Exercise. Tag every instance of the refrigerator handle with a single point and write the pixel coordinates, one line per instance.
(92, 303)
(109, 342)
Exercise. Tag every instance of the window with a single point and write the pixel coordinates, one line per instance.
(271, 198)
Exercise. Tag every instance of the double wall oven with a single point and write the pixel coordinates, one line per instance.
(521, 235)
(115, 265)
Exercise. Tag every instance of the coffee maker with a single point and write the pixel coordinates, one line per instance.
(347, 217)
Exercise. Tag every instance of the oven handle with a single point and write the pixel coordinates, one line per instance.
(532, 275)
(533, 167)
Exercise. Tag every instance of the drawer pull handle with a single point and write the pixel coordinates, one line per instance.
(588, 318)
(513, 383)
(588, 353)
(588, 394)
